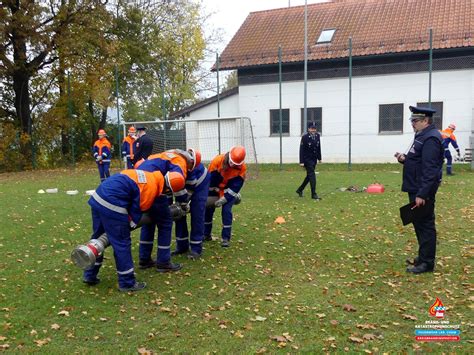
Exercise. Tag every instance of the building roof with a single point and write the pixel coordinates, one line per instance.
(185, 111)
(376, 27)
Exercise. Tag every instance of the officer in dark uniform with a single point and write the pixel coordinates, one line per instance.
(144, 145)
(422, 168)
(310, 155)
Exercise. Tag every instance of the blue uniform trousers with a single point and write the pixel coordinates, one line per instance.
(309, 178)
(118, 232)
(161, 214)
(226, 220)
(449, 161)
(426, 235)
(198, 210)
(103, 171)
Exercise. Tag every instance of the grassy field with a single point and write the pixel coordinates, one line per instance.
(330, 279)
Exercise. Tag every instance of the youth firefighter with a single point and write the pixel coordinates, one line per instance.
(129, 147)
(178, 161)
(227, 178)
(102, 154)
(117, 206)
(197, 185)
(449, 138)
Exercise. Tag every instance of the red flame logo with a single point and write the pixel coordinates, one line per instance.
(437, 309)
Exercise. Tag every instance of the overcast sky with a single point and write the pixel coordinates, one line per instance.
(230, 14)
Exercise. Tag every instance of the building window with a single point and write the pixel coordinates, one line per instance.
(438, 116)
(275, 122)
(391, 118)
(326, 36)
(315, 114)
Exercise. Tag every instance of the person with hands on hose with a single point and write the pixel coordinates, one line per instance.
(227, 179)
(102, 154)
(197, 185)
(117, 206)
(181, 162)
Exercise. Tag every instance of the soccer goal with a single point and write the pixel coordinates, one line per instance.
(211, 137)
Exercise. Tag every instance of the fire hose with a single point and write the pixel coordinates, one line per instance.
(84, 256)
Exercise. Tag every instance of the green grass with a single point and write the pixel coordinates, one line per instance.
(280, 287)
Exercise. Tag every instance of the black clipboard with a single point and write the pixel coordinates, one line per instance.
(410, 213)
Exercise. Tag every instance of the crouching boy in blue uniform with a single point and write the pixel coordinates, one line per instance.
(117, 205)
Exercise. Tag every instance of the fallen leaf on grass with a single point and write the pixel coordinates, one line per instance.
(356, 340)
(366, 326)
(103, 319)
(55, 326)
(369, 336)
(144, 351)
(349, 308)
(259, 319)
(5, 346)
(41, 342)
(334, 322)
(64, 313)
(280, 220)
(407, 316)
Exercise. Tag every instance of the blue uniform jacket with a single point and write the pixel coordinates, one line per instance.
(163, 165)
(196, 177)
(423, 164)
(310, 148)
(119, 191)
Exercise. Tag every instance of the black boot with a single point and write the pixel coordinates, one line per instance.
(421, 268)
(167, 267)
(315, 196)
(299, 192)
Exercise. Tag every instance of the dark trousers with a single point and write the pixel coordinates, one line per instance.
(449, 162)
(426, 235)
(310, 177)
(118, 233)
(103, 171)
(161, 214)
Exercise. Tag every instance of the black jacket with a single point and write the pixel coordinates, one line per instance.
(423, 163)
(310, 149)
(144, 148)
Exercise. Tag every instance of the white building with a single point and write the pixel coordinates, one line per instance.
(390, 72)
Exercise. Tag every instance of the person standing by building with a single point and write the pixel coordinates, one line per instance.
(310, 155)
(128, 147)
(422, 168)
(449, 138)
(144, 145)
(117, 206)
(102, 154)
(227, 178)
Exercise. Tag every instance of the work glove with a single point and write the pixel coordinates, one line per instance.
(99, 158)
(220, 202)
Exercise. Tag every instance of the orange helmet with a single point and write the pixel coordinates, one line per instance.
(101, 132)
(452, 126)
(175, 181)
(132, 130)
(237, 155)
(195, 156)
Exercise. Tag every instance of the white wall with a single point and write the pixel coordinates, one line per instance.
(454, 88)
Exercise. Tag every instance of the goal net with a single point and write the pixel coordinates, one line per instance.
(210, 136)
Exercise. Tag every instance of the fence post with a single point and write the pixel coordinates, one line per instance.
(350, 104)
(69, 112)
(280, 113)
(218, 104)
(430, 67)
